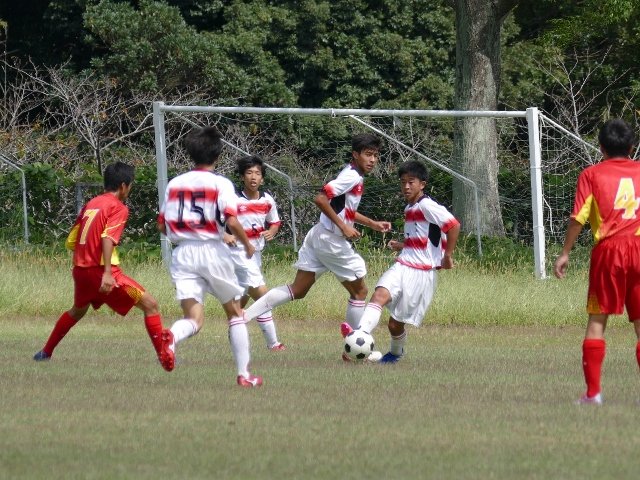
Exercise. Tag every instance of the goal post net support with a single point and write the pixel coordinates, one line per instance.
(538, 161)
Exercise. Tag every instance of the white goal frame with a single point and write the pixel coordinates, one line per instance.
(532, 116)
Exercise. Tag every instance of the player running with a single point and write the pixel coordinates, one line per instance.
(197, 206)
(97, 277)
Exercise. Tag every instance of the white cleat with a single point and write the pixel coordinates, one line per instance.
(595, 400)
(374, 357)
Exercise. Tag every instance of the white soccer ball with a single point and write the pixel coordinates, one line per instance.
(358, 345)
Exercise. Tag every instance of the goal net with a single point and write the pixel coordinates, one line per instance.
(538, 164)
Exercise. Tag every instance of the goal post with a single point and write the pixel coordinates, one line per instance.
(523, 130)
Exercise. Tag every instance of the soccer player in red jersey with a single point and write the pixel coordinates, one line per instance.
(97, 277)
(606, 198)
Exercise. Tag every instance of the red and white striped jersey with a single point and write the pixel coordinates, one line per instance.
(256, 216)
(426, 223)
(344, 194)
(196, 205)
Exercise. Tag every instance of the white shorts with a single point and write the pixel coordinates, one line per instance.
(198, 268)
(248, 270)
(411, 292)
(324, 251)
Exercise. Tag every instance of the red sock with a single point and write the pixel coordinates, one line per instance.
(153, 323)
(593, 351)
(61, 328)
(638, 353)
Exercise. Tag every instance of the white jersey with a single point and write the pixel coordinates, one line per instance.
(196, 205)
(344, 194)
(426, 223)
(256, 216)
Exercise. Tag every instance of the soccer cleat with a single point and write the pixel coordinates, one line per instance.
(278, 347)
(250, 381)
(390, 358)
(595, 400)
(374, 357)
(41, 356)
(345, 329)
(345, 357)
(167, 354)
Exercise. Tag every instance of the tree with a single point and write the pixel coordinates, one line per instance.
(477, 86)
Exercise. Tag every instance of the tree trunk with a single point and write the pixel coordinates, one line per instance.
(478, 25)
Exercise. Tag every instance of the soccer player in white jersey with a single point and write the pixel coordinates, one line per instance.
(430, 236)
(327, 246)
(258, 215)
(197, 206)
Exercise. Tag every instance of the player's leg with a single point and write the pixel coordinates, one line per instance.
(636, 326)
(357, 300)
(265, 321)
(372, 312)
(398, 341)
(593, 353)
(65, 323)
(283, 294)
(239, 340)
(152, 319)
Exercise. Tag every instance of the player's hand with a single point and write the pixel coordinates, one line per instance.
(381, 226)
(108, 283)
(395, 245)
(560, 265)
(249, 250)
(268, 235)
(350, 233)
(447, 262)
(229, 239)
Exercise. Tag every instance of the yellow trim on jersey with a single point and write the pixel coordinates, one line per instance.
(583, 214)
(72, 238)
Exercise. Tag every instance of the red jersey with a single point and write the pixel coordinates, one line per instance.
(606, 198)
(103, 216)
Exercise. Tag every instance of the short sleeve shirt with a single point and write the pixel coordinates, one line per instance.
(344, 194)
(196, 206)
(606, 197)
(256, 216)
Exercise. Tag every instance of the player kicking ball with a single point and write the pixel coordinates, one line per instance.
(406, 289)
(97, 278)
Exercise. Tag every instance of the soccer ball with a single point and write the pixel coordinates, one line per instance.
(358, 345)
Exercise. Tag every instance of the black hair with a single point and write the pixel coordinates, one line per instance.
(362, 141)
(116, 174)
(415, 169)
(616, 138)
(204, 145)
(245, 163)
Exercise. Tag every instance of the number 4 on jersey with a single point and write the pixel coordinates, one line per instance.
(626, 199)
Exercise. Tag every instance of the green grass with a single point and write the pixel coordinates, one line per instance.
(486, 389)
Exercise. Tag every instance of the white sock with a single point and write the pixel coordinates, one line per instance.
(355, 308)
(183, 329)
(239, 340)
(265, 321)
(273, 298)
(370, 317)
(397, 344)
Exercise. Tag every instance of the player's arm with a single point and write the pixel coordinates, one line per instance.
(452, 238)
(562, 262)
(395, 245)
(378, 226)
(323, 203)
(238, 232)
(108, 281)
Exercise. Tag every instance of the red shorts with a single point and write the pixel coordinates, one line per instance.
(614, 277)
(87, 281)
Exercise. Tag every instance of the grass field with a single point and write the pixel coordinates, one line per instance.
(485, 391)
